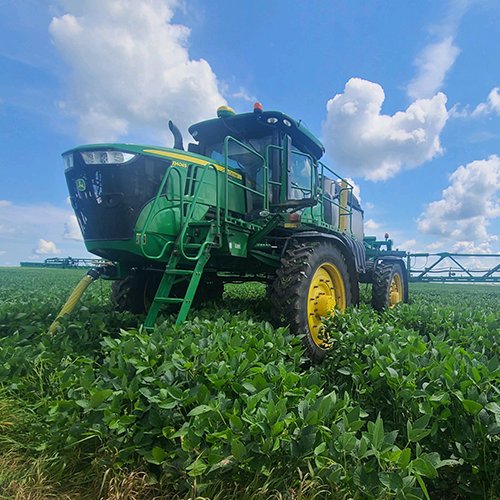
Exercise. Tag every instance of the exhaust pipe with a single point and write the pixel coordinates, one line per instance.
(178, 144)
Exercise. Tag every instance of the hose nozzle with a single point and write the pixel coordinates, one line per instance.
(92, 275)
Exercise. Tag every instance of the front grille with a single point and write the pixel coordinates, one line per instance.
(107, 199)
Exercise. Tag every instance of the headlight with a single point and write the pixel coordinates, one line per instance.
(102, 157)
(68, 160)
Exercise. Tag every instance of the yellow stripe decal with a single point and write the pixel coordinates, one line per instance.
(191, 159)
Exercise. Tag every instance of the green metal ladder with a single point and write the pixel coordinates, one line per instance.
(182, 252)
(173, 274)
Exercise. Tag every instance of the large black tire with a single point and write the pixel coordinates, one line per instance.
(390, 285)
(313, 279)
(136, 292)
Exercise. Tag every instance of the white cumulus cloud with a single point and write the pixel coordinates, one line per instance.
(46, 248)
(464, 212)
(377, 146)
(433, 63)
(437, 58)
(435, 245)
(131, 68)
(371, 225)
(356, 190)
(72, 229)
(492, 105)
(469, 247)
(408, 245)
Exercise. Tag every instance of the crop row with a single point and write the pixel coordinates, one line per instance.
(406, 405)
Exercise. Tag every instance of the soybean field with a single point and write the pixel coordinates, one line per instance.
(405, 406)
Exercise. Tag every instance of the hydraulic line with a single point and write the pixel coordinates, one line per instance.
(89, 278)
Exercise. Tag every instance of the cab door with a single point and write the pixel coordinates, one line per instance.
(300, 174)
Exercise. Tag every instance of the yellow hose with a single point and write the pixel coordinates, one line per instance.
(72, 301)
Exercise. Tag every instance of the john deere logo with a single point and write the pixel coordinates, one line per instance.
(80, 184)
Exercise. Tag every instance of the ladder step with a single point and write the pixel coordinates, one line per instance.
(201, 223)
(168, 300)
(180, 272)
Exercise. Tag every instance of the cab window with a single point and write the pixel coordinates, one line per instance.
(301, 172)
(241, 159)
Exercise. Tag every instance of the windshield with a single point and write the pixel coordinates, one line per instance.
(242, 159)
(239, 157)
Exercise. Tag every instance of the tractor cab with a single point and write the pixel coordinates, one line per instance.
(262, 146)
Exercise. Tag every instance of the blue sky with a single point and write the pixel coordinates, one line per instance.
(403, 94)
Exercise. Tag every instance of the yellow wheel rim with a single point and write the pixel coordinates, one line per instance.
(325, 293)
(396, 291)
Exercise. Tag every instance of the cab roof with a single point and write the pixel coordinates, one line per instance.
(252, 125)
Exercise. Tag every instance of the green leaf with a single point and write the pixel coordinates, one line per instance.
(494, 430)
(87, 380)
(440, 397)
(325, 407)
(128, 346)
(422, 422)
(271, 412)
(307, 440)
(424, 468)
(378, 433)
(259, 382)
(181, 432)
(418, 434)
(200, 410)
(493, 407)
(303, 409)
(236, 422)
(168, 431)
(320, 448)
(405, 458)
(493, 364)
(277, 428)
(363, 447)
(99, 396)
(238, 450)
(353, 415)
(110, 342)
(197, 468)
(159, 454)
(155, 419)
(391, 480)
(472, 406)
(422, 485)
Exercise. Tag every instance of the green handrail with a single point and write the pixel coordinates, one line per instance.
(189, 215)
(168, 172)
(347, 211)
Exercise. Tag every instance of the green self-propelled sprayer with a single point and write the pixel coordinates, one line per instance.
(248, 200)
